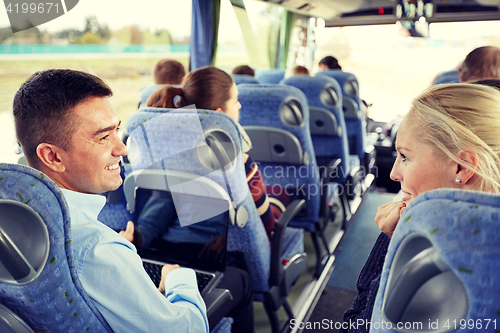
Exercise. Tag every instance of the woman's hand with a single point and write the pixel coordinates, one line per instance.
(388, 215)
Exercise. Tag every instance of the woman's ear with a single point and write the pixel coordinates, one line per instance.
(466, 170)
(50, 157)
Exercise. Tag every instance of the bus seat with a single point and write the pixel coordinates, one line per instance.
(268, 110)
(242, 78)
(114, 213)
(270, 76)
(447, 77)
(325, 93)
(441, 266)
(174, 141)
(353, 114)
(38, 277)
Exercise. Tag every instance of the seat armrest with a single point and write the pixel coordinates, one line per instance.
(331, 169)
(215, 299)
(370, 156)
(279, 230)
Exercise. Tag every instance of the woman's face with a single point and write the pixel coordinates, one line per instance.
(418, 168)
(233, 106)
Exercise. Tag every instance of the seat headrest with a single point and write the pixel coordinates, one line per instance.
(24, 243)
(329, 96)
(292, 112)
(421, 287)
(219, 149)
(444, 251)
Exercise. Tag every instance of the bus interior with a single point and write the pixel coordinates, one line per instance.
(389, 50)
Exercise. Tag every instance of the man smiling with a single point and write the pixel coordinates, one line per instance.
(68, 130)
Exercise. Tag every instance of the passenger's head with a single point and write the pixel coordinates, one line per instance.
(169, 71)
(481, 63)
(328, 63)
(207, 88)
(68, 130)
(244, 70)
(300, 70)
(449, 139)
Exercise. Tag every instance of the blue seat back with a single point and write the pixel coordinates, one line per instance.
(448, 240)
(54, 300)
(262, 105)
(270, 76)
(168, 141)
(324, 92)
(353, 114)
(242, 78)
(447, 77)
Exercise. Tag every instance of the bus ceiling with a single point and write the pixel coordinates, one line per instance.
(339, 13)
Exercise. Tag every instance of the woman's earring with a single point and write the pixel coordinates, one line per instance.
(458, 180)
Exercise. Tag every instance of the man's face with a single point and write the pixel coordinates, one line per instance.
(92, 162)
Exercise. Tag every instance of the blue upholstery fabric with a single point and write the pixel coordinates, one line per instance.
(55, 301)
(170, 141)
(270, 76)
(241, 78)
(260, 106)
(463, 227)
(116, 215)
(356, 128)
(447, 77)
(146, 92)
(326, 148)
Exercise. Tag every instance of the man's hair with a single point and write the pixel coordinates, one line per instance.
(244, 70)
(330, 62)
(481, 63)
(42, 107)
(169, 71)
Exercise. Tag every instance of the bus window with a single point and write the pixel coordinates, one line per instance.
(392, 68)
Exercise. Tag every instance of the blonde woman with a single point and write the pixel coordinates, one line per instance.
(449, 139)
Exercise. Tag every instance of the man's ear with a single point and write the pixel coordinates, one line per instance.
(49, 155)
(468, 169)
(460, 75)
(219, 110)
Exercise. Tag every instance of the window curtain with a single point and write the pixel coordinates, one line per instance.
(204, 33)
(285, 33)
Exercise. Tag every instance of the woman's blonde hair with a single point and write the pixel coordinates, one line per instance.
(463, 116)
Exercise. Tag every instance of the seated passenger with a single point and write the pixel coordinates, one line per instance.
(328, 63)
(69, 131)
(300, 70)
(481, 63)
(244, 70)
(443, 142)
(213, 89)
(169, 71)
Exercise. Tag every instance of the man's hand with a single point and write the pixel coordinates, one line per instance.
(128, 233)
(164, 271)
(388, 216)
